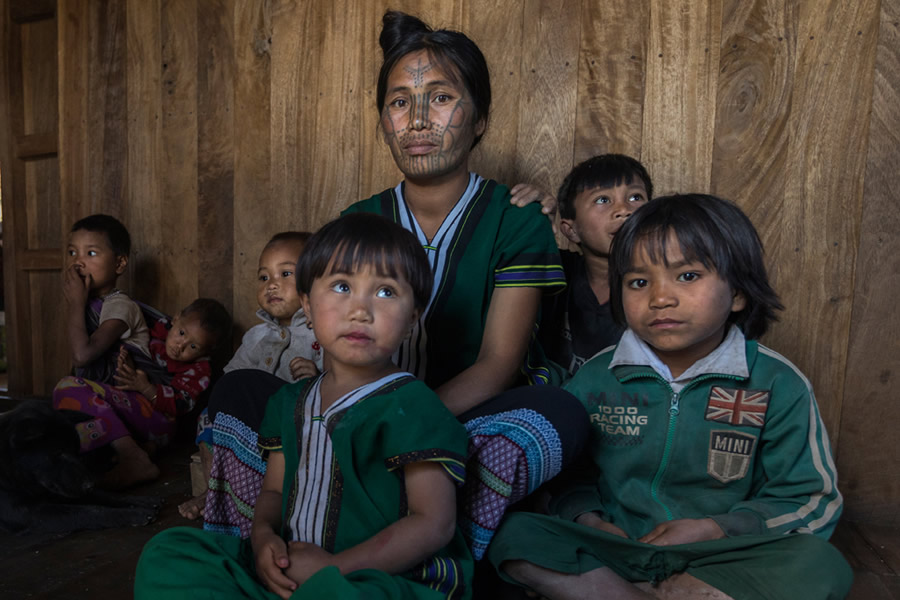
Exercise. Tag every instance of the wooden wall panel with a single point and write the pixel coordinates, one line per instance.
(146, 174)
(329, 181)
(75, 95)
(826, 152)
(679, 111)
(547, 109)
(870, 413)
(496, 27)
(294, 79)
(107, 110)
(377, 170)
(216, 152)
(611, 78)
(50, 351)
(753, 111)
(209, 126)
(252, 152)
(12, 192)
(179, 259)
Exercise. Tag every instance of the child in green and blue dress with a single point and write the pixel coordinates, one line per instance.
(712, 474)
(359, 494)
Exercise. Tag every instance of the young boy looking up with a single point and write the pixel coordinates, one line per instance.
(283, 346)
(594, 199)
(100, 316)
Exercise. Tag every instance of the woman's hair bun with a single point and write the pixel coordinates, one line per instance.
(398, 26)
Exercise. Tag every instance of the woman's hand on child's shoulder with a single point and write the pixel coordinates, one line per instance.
(683, 531)
(303, 367)
(271, 560)
(306, 560)
(526, 193)
(592, 519)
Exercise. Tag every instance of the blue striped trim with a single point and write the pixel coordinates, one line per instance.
(231, 530)
(442, 575)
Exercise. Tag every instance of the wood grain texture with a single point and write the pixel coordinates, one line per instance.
(252, 152)
(216, 151)
(836, 53)
(497, 27)
(17, 309)
(179, 261)
(869, 416)
(679, 111)
(547, 111)
(74, 64)
(294, 82)
(609, 113)
(107, 109)
(144, 152)
(40, 117)
(753, 112)
(329, 180)
(377, 169)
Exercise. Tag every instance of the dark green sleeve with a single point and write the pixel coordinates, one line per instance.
(279, 408)
(527, 252)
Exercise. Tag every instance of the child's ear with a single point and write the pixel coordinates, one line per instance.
(567, 226)
(738, 301)
(416, 313)
(415, 316)
(304, 304)
(121, 263)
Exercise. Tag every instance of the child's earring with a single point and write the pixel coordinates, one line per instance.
(308, 323)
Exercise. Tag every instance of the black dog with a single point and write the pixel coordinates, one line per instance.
(47, 485)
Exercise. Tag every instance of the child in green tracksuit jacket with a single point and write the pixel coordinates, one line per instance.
(711, 472)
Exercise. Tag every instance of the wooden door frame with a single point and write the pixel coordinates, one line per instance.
(15, 149)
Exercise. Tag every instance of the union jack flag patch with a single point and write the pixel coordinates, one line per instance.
(737, 407)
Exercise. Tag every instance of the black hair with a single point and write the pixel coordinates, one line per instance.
(300, 237)
(119, 239)
(709, 230)
(603, 171)
(458, 55)
(365, 239)
(213, 316)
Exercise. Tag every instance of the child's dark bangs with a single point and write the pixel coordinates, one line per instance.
(351, 257)
(693, 247)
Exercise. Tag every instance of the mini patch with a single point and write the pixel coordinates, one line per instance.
(729, 454)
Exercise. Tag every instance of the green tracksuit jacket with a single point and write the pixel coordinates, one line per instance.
(749, 452)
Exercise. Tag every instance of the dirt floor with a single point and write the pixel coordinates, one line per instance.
(94, 564)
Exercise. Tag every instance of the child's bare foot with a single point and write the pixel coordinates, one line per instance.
(134, 466)
(193, 508)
